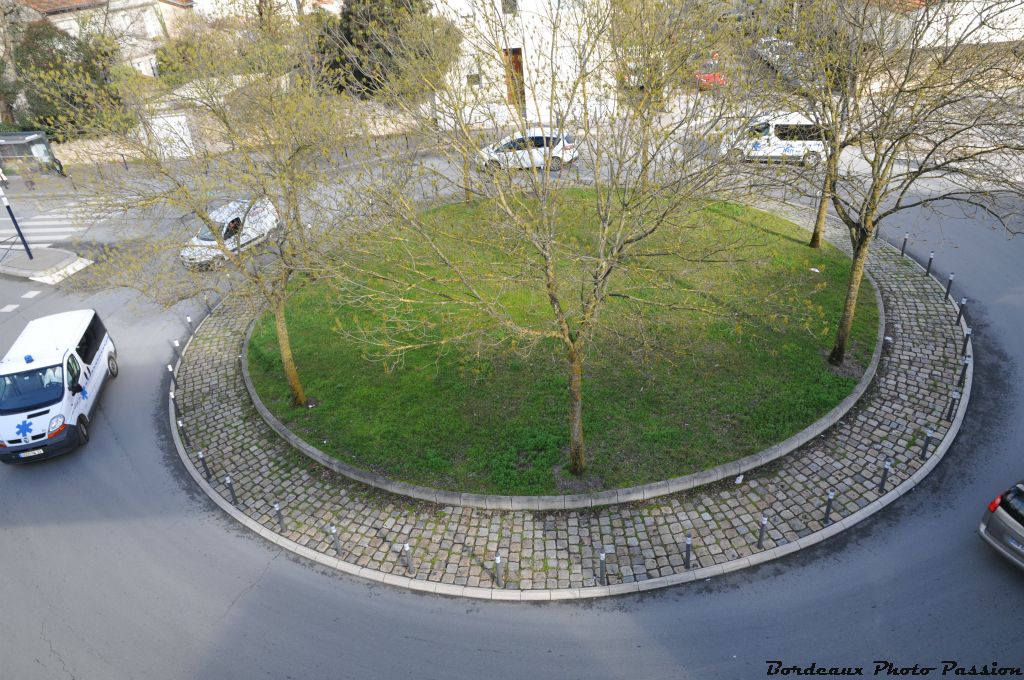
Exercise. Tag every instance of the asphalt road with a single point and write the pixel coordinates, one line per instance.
(114, 566)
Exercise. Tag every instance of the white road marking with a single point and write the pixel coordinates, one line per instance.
(9, 308)
(31, 294)
(51, 279)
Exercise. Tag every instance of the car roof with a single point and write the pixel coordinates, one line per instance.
(46, 340)
(785, 119)
(224, 213)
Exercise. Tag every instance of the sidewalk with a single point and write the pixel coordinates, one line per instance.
(557, 554)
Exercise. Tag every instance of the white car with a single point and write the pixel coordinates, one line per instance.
(242, 225)
(538, 148)
(779, 137)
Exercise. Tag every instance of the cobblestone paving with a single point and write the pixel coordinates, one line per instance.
(548, 550)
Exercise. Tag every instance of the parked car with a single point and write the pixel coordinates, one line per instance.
(779, 137)
(241, 225)
(538, 148)
(709, 76)
(1002, 526)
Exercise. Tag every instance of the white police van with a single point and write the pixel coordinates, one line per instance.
(50, 380)
(779, 137)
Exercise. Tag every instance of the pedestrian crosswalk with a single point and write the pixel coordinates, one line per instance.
(54, 226)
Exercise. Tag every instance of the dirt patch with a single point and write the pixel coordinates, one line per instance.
(569, 484)
(849, 368)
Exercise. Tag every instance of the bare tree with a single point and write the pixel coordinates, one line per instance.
(253, 123)
(923, 104)
(550, 81)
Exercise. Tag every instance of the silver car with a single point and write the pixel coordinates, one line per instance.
(1003, 525)
(241, 225)
(538, 148)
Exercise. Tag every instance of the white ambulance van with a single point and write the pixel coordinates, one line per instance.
(785, 137)
(50, 381)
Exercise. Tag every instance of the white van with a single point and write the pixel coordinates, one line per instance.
(50, 381)
(780, 137)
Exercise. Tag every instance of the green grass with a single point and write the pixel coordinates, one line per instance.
(482, 418)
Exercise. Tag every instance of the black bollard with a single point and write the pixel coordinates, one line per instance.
(184, 435)
(209, 309)
(949, 285)
(686, 555)
(952, 404)
(885, 474)
(967, 339)
(963, 371)
(231, 488)
(188, 320)
(760, 533)
(174, 403)
(931, 258)
(206, 468)
(903, 248)
(280, 517)
(603, 577)
(927, 443)
(170, 371)
(407, 556)
(960, 314)
(828, 507)
(177, 348)
(335, 540)
(498, 576)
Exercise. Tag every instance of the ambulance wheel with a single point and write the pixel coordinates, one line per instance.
(112, 366)
(83, 430)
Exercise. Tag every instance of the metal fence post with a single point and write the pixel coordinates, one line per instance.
(689, 547)
(903, 248)
(931, 258)
(949, 286)
(967, 339)
(231, 488)
(828, 507)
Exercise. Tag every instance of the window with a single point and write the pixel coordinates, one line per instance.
(91, 339)
(758, 130)
(1013, 503)
(74, 371)
(798, 133)
(538, 142)
(509, 6)
(515, 145)
(473, 80)
(233, 228)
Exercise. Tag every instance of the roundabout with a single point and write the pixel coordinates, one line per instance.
(877, 451)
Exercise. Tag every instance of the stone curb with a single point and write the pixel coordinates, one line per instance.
(701, 573)
(576, 501)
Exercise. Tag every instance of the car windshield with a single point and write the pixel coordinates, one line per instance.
(31, 389)
(206, 235)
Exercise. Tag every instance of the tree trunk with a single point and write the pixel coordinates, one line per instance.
(831, 167)
(860, 257)
(287, 360)
(577, 454)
